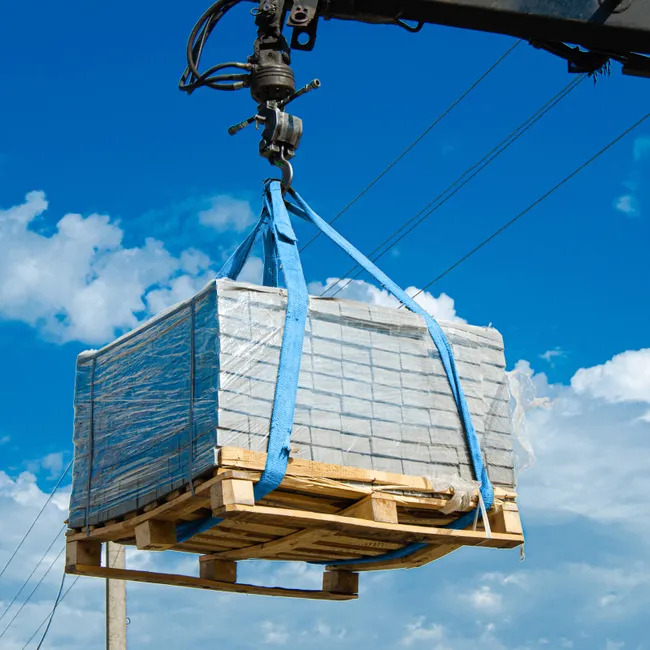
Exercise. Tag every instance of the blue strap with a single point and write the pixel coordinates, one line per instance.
(286, 385)
(235, 263)
(271, 269)
(444, 348)
(284, 251)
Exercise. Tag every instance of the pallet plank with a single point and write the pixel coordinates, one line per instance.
(202, 583)
(244, 458)
(372, 529)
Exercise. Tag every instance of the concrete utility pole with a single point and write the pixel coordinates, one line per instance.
(115, 600)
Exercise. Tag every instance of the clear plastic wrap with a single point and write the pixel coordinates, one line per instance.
(523, 398)
(372, 394)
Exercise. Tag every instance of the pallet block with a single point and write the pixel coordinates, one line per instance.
(319, 513)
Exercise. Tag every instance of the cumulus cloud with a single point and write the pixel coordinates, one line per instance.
(81, 282)
(484, 599)
(625, 378)
(442, 307)
(227, 213)
(591, 444)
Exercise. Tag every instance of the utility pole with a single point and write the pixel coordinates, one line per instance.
(115, 600)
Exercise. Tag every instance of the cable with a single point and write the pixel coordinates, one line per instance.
(56, 604)
(535, 203)
(192, 78)
(420, 137)
(20, 591)
(74, 582)
(29, 530)
(38, 584)
(456, 185)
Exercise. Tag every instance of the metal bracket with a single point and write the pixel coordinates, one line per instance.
(578, 61)
(304, 20)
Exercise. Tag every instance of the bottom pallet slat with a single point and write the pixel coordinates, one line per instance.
(202, 583)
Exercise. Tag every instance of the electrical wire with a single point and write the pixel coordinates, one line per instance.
(29, 530)
(56, 604)
(535, 203)
(419, 138)
(20, 591)
(33, 591)
(431, 207)
(45, 620)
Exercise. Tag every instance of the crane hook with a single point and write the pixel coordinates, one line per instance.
(287, 170)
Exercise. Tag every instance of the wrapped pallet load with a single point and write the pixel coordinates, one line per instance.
(199, 394)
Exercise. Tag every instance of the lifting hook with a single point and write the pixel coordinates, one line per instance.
(287, 172)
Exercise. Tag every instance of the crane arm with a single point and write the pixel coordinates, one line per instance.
(619, 27)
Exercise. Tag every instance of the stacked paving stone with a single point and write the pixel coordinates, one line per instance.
(372, 392)
(151, 407)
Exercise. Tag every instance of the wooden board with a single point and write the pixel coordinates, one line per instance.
(202, 583)
(320, 513)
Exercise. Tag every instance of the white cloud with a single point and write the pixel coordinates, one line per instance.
(4, 440)
(227, 213)
(550, 355)
(53, 463)
(628, 204)
(645, 417)
(625, 378)
(274, 633)
(614, 645)
(484, 599)
(435, 636)
(442, 307)
(417, 631)
(80, 282)
(591, 445)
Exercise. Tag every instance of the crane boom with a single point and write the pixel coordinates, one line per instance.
(616, 26)
(587, 33)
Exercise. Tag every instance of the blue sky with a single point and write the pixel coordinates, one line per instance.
(138, 193)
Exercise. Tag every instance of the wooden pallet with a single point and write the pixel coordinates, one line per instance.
(319, 513)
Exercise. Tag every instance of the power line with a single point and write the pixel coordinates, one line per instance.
(38, 584)
(535, 203)
(457, 184)
(20, 591)
(417, 140)
(29, 530)
(45, 620)
(56, 604)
